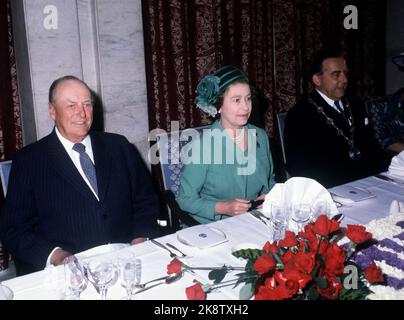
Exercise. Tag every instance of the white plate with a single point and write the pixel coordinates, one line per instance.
(6, 293)
(201, 236)
(105, 248)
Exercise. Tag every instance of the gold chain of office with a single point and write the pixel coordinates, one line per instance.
(354, 153)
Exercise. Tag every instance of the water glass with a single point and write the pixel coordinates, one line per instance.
(301, 214)
(130, 274)
(279, 221)
(75, 279)
(103, 274)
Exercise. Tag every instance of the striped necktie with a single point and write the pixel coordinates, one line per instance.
(87, 165)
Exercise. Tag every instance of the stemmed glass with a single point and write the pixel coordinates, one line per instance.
(130, 274)
(279, 220)
(75, 278)
(301, 213)
(102, 274)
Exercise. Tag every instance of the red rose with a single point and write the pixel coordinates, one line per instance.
(291, 274)
(270, 291)
(287, 257)
(304, 261)
(357, 234)
(195, 292)
(374, 274)
(273, 248)
(289, 240)
(264, 263)
(333, 289)
(175, 266)
(325, 226)
(334, 259)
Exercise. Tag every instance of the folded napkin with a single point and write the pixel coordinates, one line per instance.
(5, 293)
(298, 190)
(396, 167)
(396, 206)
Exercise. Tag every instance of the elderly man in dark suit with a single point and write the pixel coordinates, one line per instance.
(74, 190)
(325, 138)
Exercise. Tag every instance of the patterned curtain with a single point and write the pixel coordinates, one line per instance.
(272, 40)
(10, 116)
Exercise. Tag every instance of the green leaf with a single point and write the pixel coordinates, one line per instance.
(248, 253)
(312, 293)
(217, 275)
(321, 282)
(246, 292)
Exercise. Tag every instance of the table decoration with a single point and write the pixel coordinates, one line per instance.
(308, 266)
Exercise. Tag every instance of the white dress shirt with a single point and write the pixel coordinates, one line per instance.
(332, 104)
(75, 156)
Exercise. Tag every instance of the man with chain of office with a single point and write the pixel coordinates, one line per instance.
(326, 138)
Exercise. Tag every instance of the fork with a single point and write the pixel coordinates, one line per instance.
(172, 254)
(175, 248)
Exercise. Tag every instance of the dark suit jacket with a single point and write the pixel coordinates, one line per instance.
(49, 204)
(313, 148)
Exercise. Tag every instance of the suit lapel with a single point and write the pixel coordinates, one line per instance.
(64, 166)
(338, 119)
(102, 159)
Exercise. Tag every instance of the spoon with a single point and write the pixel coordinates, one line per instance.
(167, 280)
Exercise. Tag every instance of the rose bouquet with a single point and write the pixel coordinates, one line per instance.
(308, 266)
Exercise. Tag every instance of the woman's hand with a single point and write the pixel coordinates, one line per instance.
(261, 197)
(232, 207)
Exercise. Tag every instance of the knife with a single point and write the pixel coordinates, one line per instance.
(386, 178)
(172, 254)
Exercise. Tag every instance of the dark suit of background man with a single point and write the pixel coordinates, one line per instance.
(52, 210)
(330, 143)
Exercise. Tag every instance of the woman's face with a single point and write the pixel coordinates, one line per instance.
(236, 107)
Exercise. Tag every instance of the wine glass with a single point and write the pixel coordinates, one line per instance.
(130, 274)
(301, 213)
(102, 274)
(321, 207)
(279, 220)
(75, 279)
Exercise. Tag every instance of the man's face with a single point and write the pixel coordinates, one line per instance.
(72, 110)
(334, 78)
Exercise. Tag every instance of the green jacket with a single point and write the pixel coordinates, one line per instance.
(219, 171)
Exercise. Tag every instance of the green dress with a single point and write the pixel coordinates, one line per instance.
(219, 171)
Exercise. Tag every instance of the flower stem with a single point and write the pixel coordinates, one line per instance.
(216, 268)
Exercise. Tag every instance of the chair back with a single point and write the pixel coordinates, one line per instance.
(171, 147)
(378, 113)
(5, 168)
(281, 117)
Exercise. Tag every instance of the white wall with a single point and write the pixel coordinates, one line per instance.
(99, 41)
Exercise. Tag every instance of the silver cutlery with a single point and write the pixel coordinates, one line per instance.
(386, 178)
(175, 248)
(172, 254)
(167, 280)
(259, 215)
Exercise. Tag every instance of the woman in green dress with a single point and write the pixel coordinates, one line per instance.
(230, 164)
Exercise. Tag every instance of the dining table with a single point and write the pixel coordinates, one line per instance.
(241, 231)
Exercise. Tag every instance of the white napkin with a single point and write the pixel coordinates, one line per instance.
(396, 167)
(5, 293)
(298, 190)
(396, 206)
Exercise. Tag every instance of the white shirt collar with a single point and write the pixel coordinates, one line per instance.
(328, 100)
(68, 145)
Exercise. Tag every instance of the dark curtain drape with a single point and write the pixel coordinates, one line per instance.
(272, 40)
(10, 122)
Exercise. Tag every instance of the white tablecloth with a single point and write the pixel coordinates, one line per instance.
(49, 284)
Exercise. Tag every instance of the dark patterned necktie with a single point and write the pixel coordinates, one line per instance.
(87, 165)
(341, 110)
